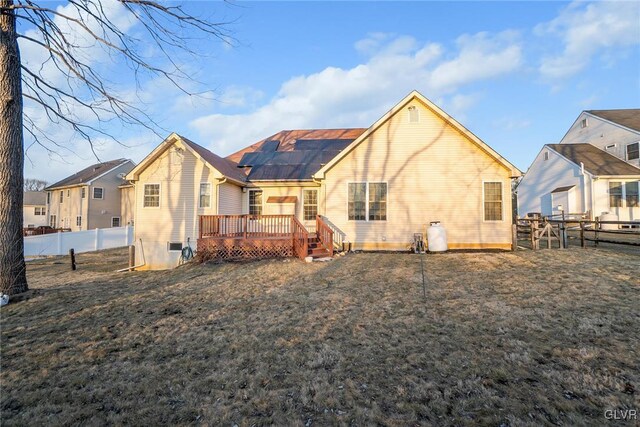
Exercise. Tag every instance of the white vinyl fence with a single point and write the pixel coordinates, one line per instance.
(81, 241)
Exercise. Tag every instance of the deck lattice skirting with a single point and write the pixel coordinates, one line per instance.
(258, 236)
(231, 248)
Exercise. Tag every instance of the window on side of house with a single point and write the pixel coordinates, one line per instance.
(377, 201)
(310, 204)
(205, 195)
(61, 196)
(631, 190)
(79, 221)
(68, 193)
(255, 202)
(115, 221)
(37, 211)
(98, 193)
(584, 123)
(414, 114)
(545, 156)
(492, 192)
(48, 197)
(82, 192)
(633, 151)
(151, 196)
(52, 221)
(615, 194)
(357, 202)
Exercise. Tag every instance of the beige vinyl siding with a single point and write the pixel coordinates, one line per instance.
(230, 199)
(433, 173)
(179, 174)
(71, 207)
(280, 190)
(127, 205)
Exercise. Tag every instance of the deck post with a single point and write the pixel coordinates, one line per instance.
(244, 226)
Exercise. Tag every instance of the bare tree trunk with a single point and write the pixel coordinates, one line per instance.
(13, 277)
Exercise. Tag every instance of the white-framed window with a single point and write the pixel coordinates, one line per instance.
(309, 204)
(414, 114)
(61, 196)
(357, 201)
(82, 192)
(492, 200)
(545, 156)
(377, 201)
(53, 221)
(584, 123)
(633, 151)
(631, 191)
(151, 196)
(624, 194)
(255, 202)
(79, 221)
(205, 195)
(38, 211)
(367, 201)
(48, 197)
(98, 193)
(68, 193)
(115, 221)
(615, 194)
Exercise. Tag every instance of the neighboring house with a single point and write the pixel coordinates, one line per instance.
(594, 169)
(34, 209)
(90, 198)
(377, 186)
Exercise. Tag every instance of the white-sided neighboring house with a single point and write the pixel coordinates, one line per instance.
(376, 186)
(34, 209)
(90, 198)
(595, 169)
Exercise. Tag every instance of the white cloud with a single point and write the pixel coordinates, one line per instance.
(338, 97)
(587, 29)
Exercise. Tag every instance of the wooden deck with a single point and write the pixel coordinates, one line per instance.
(261, 236)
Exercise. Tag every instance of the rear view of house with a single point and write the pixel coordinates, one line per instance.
(595, 169)
(374, 187)
(89, 198)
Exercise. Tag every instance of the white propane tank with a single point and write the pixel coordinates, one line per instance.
(607, 216)
(436, 237)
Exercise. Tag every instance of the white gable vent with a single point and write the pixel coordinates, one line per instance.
(414, 115)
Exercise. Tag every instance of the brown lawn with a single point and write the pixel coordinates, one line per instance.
(526, 338)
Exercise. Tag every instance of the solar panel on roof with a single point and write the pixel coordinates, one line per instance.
(270, 146)
(322, 144)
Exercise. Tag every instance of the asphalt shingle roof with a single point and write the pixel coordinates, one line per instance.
(596, 161)
(87, 174)
(225, 166)
(629, 118)
(34, 198)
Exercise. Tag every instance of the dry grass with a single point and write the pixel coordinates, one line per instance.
(525, 338)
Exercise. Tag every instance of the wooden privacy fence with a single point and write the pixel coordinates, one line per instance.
(258, 236)
(561, 232)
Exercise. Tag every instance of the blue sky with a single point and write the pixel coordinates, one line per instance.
(517, 74)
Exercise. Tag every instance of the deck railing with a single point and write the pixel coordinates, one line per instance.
(245, 226)
(325, 234)
(300, 237)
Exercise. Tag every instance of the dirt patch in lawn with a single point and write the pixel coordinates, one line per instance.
(525, 338)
